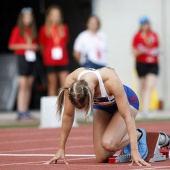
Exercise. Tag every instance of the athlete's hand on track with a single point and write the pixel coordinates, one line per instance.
(59, 155)
(136, 158)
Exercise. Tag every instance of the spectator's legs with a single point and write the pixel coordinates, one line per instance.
(24, 93)
(52, 83)
(30, 81)
(147, 85)
(142, 86)
(62, 77)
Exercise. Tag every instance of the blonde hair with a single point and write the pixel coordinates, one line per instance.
(47, 22)
(80, 96)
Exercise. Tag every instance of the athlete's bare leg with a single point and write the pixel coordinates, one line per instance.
(110, 133)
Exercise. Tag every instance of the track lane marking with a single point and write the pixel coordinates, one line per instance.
(27, 163)
(39, 149)
(69, 155)
(153, 167)
(46, 155)
(16, 134)
(21, 163)
(49, 139)
(39, 133)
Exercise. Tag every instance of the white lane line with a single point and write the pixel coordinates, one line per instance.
(27, 163)
(40, 140)
(153, 167)
(46, 155)
(40, 133)
(21, 163)
(75, 159)
(11, 134)
(40, 149)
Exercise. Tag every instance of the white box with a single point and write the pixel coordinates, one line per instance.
(49, 118)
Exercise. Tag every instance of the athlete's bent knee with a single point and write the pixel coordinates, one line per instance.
(109, 146)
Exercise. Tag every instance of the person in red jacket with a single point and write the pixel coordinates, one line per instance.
(146, 51)
(23, 43)
(53, 38)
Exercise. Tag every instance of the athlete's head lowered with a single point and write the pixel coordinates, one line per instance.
(79, 94)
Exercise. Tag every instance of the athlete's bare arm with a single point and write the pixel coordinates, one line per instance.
(67, 121)
(115, 87)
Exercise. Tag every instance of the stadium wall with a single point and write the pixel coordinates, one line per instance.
(120, 22)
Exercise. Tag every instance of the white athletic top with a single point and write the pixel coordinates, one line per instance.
(90, 46)
(105, 99)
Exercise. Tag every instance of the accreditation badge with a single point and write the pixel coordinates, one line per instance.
(57, 53)
(30, 56)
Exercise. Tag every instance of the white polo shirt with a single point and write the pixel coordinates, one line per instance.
(93, 46)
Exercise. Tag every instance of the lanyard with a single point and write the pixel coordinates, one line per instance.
(147, 39)
(56, 35)
(28, 36)
(97, 46)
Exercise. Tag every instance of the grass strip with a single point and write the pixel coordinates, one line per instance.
(20, 125)
(80, 122)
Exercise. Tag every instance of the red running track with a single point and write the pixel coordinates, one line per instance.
(27, 149)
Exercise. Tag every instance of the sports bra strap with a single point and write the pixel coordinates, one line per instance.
(82, 73)
(101, 84)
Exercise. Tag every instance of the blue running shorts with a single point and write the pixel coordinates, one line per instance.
(132, 98)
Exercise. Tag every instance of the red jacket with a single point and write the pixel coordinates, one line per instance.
(54, 40)
(150, 43)
(16, 38)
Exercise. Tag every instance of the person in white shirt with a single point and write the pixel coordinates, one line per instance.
(90, 47)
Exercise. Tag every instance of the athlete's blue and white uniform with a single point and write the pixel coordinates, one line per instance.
(101, 103)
